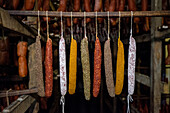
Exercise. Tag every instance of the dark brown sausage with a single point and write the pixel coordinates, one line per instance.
(29, 4)
(15, 4)
(62, 6)
(112, 8)
(106, 5)
(117, 4)
(76, 9)
(145, 8)
(48, 68)
(98, 7)
(87, 9)
(46, 7)
(1, 3)
(122, 5)
(132, 7)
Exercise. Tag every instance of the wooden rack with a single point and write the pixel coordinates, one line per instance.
(18, 92)
(91, 14)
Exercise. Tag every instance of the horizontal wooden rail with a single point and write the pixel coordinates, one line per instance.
(91, 14)
(18, 92)
(20, 105)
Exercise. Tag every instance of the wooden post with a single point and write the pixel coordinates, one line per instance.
(156, 57)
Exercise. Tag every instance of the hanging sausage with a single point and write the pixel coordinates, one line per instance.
(35, 65)
(15, 4)
(119, 65)
(48, 64)
(112, 8)
(87, 9)
(29, 4)
(131, 66)
(76, 9)
(85, 63)
(97, 65)
(145, 8)
(108, 65)
(22, 61)
(73, 62)
(62, 57)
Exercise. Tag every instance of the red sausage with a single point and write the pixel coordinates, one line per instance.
(87, 9)
(62, 6)
(145, 8)
(15, 4)
(48, 69)
(112, 8)
(29, 4)
(76, 9)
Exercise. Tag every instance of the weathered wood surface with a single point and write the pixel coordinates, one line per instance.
(18, 92)
(156, 59)
(20, 105)
(10, 23)
(92, 14)
(143, 79)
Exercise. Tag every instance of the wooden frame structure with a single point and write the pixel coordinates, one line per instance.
(154, 81)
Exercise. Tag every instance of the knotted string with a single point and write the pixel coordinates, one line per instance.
(119, 23)
(129, 98)
(71, 26)
(96, 24)
(47, 24)
(62, 102)
(131, 23)
(38, 23)
(61, 25)
(108, 25)
(85, 24)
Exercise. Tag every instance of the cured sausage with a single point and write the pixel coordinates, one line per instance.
(117, 5)
(145, 8)
(106, 5)
(122, 5)
(98, 7)
(86, 67)
(62, 6)
(112, 8)
(15, 4)
(68, 22)
(119, 68)
(29, 4)
(1, 3)
(4, 51)
(46, 6)
(87, 9)
(108, 68)
(73, 66)
(22, 61)
(97, 68)
(132, 7)
(48, 69)
(76, 9)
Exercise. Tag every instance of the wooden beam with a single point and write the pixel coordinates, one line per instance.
(91, 14)
(10, 23)
(143, 79)
(156, 59)
(18, 92)
(20, 105)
